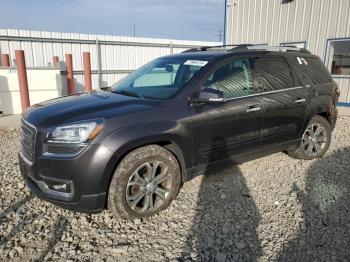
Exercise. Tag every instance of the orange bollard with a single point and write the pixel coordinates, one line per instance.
(22, 79)
(55, 61)
(70, 80)
(87, 72)
(5, 60)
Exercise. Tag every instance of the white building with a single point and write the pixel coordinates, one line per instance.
(321, 26)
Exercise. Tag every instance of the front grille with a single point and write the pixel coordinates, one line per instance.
(28, 135)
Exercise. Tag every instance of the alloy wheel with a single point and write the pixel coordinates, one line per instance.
(314, 139)
(148, 187)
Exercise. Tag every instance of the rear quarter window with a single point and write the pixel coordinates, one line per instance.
(315, 70)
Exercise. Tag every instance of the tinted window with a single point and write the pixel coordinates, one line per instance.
(315, 70)
(233, 78)
(274, 73)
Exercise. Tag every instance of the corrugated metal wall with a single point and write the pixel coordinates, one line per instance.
(112, 57)
(271, 22)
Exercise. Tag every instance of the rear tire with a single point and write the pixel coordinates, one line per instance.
(145, 182)
(315, 140)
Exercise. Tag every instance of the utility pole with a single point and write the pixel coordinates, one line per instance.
(220, 35)
(134, 30)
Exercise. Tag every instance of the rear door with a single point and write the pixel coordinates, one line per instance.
(283, 101)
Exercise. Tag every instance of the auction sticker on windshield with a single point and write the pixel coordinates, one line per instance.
(196, 62)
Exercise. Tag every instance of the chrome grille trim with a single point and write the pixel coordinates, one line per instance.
(28, 138)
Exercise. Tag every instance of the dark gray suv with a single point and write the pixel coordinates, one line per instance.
(130, 148)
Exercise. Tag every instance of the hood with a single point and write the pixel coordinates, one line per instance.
(85, 105)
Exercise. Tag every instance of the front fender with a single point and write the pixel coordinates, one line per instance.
(122, 141)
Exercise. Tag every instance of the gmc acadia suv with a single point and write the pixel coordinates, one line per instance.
(130, 147)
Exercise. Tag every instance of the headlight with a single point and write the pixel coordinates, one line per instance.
(75, 133)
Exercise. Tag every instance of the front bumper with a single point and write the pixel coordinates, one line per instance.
(84, 176)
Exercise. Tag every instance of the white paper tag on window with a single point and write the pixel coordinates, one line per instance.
(299, 60)
(304, 61)
(196, 63)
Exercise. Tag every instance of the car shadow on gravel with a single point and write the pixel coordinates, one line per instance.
(58, 229)
(14, 207)
(325, 231)
(16, 229)
(225, 225)
(19, 226)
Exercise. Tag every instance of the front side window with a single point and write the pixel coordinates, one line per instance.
(159, 79)
(274, 73)
(234, 79)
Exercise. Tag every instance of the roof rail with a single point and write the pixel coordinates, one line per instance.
(269, 48)
(247, 47)
(205, 48)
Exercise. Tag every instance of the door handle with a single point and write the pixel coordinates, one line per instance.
(300, 100)
(253, 109)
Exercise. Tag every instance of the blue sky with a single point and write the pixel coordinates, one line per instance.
(177, 19)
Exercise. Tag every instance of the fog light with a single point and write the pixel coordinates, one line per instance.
(56, 189)
(60, 187)
(64, 187)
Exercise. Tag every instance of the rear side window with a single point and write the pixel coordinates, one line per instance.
(315, 70)
(274, 73)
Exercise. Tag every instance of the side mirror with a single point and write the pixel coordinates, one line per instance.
(106, 88)
(210, 95)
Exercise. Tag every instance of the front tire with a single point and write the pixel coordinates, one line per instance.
(145, 182)
(315, 140)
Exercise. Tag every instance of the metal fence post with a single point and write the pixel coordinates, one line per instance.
(87, 72)
(22, 79)
(55, 61)
(5, 60)
(98, 55)
(70, 80)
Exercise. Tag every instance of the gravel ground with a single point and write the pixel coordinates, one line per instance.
(273, 208)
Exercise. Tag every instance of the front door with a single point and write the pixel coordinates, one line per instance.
(231, 128)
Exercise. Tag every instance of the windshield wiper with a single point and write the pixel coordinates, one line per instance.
(127, 93)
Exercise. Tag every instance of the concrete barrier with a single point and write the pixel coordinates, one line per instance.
(44, 84)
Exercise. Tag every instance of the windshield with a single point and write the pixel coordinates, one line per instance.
(159, 79)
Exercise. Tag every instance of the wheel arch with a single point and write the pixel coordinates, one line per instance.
(324, 106)
(327, 116)
(122, 152)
